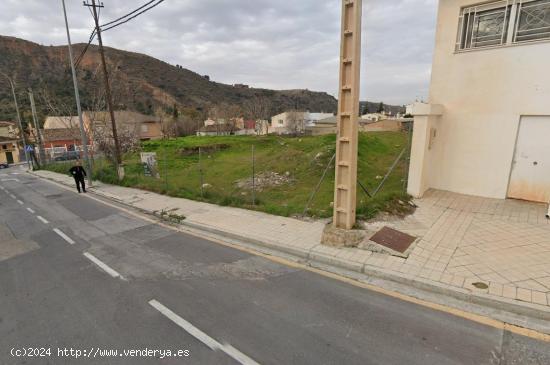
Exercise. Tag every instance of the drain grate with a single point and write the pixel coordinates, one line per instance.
(393, 239)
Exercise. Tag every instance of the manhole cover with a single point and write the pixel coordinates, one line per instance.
(393, 239)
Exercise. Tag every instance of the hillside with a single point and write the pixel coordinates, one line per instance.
(140, 83)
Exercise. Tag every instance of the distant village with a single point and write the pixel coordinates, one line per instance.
(60, 135)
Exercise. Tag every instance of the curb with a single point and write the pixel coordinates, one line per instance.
(335, 265)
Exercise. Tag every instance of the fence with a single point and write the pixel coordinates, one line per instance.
(290, 176)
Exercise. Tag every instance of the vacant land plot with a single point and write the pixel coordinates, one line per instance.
(286, 170)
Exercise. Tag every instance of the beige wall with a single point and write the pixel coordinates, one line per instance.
(10, 147)
(483, 94)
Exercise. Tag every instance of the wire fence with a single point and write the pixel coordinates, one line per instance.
(289, 176)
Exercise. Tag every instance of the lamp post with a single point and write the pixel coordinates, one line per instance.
(23, 139)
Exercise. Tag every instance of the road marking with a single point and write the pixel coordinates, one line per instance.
(203, 337)
(13, 196)
(30, 210)
(478, 318)
(41, 219)
(4, 180)
(103, 266)
(64, 236)
(20, 202)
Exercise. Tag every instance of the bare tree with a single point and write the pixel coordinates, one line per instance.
(259, 109)
(295, 122)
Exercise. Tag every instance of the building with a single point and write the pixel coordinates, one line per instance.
(146, 127)
(218, 130)
(9, 130)
(9, 150)
(485, 129)
(374, 117)
(295, 122)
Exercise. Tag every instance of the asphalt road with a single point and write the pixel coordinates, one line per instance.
(78, 274)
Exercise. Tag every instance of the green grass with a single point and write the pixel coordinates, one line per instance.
(304, 158)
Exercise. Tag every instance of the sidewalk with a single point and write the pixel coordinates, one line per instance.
(463, 240)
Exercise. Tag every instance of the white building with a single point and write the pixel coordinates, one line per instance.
(292, 122)
(486, 128)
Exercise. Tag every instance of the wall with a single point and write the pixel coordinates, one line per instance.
(483, 93)
(10, 147)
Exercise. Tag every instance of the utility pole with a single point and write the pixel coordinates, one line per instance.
(83, 136)
(21, 130)
(345, 189)
(41, 151)
(118, 158)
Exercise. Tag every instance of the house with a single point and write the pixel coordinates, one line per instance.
(146, 127)
(374, 117)
(294, 122)
(61, 134)
(9, 150)
(322, 127)
(9, 130)
(485, 129)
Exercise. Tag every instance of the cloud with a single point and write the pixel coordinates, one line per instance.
(281, 44)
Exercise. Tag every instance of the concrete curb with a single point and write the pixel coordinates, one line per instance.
(335, 265)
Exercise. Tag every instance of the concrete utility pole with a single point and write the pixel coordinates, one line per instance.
(37, 126)
(120, 168)
(21, 130)
(83, 136)
(345, 189)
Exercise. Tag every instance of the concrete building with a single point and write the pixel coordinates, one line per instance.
(295, 122)
(9, 150)
(485, 130)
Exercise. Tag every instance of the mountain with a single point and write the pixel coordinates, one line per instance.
(139, 82)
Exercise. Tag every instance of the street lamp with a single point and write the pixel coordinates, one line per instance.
(23, 139)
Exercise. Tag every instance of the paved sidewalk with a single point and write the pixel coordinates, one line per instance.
(463, 240)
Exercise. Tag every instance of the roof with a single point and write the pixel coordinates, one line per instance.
(7, 139)
(318, 116)
(329, 120)
(7, 124)
(61, 122)
(60, 134)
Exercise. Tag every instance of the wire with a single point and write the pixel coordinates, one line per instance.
(133, 17)
(81, 56)
(127, 15)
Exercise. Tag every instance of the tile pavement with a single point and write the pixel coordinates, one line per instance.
(463, 240)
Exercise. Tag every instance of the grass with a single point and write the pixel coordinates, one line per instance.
(228, 159)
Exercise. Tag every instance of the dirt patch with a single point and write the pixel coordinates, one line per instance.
(265, 180)
(190, 151)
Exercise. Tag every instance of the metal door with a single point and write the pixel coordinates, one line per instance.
(9, 157)
(530, 177)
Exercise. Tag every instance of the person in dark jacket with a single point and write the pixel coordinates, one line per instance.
(79, 173)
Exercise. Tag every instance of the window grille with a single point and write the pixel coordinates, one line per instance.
(533, 21)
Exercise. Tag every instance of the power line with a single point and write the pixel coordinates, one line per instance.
(133, 17)
(127, 15)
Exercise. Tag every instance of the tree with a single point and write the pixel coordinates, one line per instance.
(295, 122)
(381, 108)
(259, 109)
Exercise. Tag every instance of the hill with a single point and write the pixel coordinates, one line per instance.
(140, 83)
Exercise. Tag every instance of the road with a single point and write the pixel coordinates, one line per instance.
(78, 274)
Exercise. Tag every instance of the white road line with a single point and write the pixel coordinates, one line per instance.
(64, 236)
(13, 196)
(30, 210)
(203, 337)
(41, 219)
(103, 266)
(20, 202)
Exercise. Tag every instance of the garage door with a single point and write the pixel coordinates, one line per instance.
(530, 178)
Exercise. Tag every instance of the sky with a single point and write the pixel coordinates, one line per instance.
(276, 44)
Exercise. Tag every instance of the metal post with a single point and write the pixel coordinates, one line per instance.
(37, 126)
(23, 139)
(253, 178)
(200, 173)
(83, 135)
(345, 189)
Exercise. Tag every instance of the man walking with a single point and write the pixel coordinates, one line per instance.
(79, 173)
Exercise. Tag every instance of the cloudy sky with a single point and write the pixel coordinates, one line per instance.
(279, 44)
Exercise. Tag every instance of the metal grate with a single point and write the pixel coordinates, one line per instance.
(393, 239)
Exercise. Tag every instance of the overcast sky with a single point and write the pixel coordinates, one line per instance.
(278, 44)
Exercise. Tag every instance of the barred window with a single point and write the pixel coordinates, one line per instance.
(533, 21)
(484, 25)
(503, 23)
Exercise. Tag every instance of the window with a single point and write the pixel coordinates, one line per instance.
(144, 128)
(484, 25)
(503, 23)
(533, 21)
(281, 122)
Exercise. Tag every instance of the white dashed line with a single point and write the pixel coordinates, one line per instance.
(203, 337)
(13, 196)
(20, 202)
(103, 266)
(64, 236)
(41, 219)
(31, 211)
